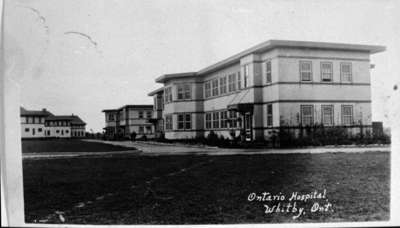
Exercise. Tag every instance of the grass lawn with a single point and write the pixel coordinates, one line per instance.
(357, 186)
(67, 145)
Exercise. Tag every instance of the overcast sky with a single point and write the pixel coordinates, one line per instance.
(130, 43)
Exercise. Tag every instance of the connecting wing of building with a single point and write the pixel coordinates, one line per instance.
(276, 84)
(122, 122)
(43, 124)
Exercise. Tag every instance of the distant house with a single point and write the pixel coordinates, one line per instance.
(122, 122)
(44, 124)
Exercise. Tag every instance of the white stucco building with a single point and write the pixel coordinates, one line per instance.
(122, 122)
(43, 124)
(276, 84)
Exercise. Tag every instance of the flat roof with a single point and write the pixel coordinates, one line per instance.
(271, 44)
(140, 106)
(156, 91)
(165, 77)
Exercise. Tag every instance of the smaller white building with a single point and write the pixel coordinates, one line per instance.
(43, 124)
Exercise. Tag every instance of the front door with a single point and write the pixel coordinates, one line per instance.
(248, 126)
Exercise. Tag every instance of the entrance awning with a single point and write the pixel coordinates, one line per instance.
(242, 107)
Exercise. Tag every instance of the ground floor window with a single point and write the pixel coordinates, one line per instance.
(269, 115)
(148, 129)
(327, 115)
(306, 112)
(208, 120)
(26, 129)
(184, 121)
(233, 119)
(141, 129)
(215, 119)
(224, 119)
(347, 114)
(168, 122)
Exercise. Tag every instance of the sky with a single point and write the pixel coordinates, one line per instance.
(83, 56)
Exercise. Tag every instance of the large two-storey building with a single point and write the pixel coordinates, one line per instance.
(43, 124)
(275, 84)
(122, 122)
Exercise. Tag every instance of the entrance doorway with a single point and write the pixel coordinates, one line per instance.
(248, 129)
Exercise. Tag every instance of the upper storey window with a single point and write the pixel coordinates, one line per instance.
(207, 88)
(246, 72)
(168, 95)
(215, 87)
(232, 83)
(222, 84)
(184, 91)
(326, 71)
(305, 71)
(346, 72)
(268, 71)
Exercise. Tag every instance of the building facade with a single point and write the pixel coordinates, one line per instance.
(43, 124)
(276, 84)
(121, 123)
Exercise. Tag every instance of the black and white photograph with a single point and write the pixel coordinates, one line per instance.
(199, 112)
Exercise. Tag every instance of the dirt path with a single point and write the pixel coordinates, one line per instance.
(156, 148)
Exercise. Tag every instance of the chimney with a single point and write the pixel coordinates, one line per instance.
(44, 110)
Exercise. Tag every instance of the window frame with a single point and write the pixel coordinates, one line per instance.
(185, 123)
(222, 85)
(270, 115)
(207, 89)
(168, 122)
(302, 116)
(343, 115)
(301, 62)
(215, 120)
(326, 73)
(239, 81)
(342, 74)
(215, 87)
(208, 120)
(246, 73)
(323, 107)
(268, 72)
(183, 91)
(223, 119)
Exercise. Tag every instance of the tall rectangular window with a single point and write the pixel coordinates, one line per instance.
(239, 81)
(148, 115)
(184, 91)
(215, 87)
(208, 120)
(347, 114)
(168, 122)
(327, 115)
(140, 115)
(305, 70)
(346, 72)
(215, 119)
(233, 119)
(326, 71)
(224, 119)
(168, 94)
(307, 115)
(268, 71)
(231, 83)
(269, 115)
(207, 89)
(246, 72)
(222, 85)
(184, 121)
(141, 129)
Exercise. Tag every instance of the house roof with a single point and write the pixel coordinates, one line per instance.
(43, 112)
(271, 44)
(159, 90)
(74, 119)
